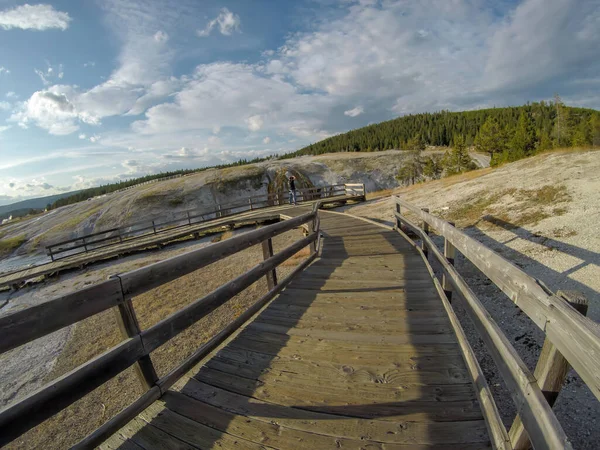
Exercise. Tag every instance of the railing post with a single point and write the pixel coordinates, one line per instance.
(50, 253)
(398, 222)
(267, 248)
(550, 372)
(450, 254)
(189, 219)
(251, 206)
(154, 227)
(426, 230)
(120, 237)
(129, 326)
(84, 244)
(219, 213)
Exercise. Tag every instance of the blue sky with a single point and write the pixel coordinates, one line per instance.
(97, 91)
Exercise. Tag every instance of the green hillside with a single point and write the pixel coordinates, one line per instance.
(509, 133)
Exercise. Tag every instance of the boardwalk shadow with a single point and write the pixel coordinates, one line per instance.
(269, 384)
(579, 259)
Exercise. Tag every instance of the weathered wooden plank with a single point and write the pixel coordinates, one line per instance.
(17, 418)
(331, 425)
(358, 337)
(192, 432)
(390, 408)
(150, 437)
(28, 324)
(425, 380)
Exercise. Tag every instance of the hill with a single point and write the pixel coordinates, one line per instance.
(38, 203)
(515, 131)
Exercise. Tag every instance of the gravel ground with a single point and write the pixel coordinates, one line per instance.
(562, 250)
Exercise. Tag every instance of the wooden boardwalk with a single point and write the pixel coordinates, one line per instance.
(357, 352)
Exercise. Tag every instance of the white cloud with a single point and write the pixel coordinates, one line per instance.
(50, 73)
(34, 17)
(161, 36)
(4, 70)
(226, 21)
(82, 136)
(255, 123)
(89, 64)
(94, 138)
(53, 111)
(4, 106)
(354, 112)
(542, 40)
(11, 94)
(267, 140)
(3, 128)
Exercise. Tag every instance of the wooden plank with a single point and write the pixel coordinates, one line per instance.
(31, 323)
(384, 328)
(331, 425)
(358, 337)
(167, 328)
(153, 275)
(577, 338)
(17, 418)
(190, 431)
(391, 408)
(427, 380)
(150, 437)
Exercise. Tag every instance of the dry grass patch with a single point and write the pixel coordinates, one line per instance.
(9, 245)
(511, 208)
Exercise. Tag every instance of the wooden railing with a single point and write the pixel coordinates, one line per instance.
(571, 338)
(26, 325)
(188, 218)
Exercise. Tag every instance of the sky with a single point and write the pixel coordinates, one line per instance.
(96, 91)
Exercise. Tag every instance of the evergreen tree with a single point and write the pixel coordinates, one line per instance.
(458, 160)
(490, 138)
(433, 167)
(522, 142)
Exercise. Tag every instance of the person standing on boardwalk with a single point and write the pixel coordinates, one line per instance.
(293, 190)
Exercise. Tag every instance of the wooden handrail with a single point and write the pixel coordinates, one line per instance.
(26, 325)
(565, 328)
(575, 336)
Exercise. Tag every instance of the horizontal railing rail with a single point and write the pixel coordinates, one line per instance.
(569, 333)
(188, 218)
(26, 325)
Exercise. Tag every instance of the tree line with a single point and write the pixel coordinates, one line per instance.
(507, 133)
